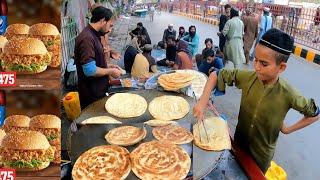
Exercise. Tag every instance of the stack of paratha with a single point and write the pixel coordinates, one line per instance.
(198, 83)
(217, 130)
(160, 160)
(103, 162)
(173, 133)
(168, 107)
(126, 105)
(125, 135)
(175, 81)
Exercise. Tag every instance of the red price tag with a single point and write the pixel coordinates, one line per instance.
(7, 174)
(7, 79)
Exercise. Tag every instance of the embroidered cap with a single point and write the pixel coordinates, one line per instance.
(278, 41)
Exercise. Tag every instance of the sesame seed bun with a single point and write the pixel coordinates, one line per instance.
(44, 29)
(45, 121)
(25, 46)
(25, 140)
(3, 41)
(17, 29)
(17, 121)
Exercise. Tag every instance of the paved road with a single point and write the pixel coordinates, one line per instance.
(298, 152)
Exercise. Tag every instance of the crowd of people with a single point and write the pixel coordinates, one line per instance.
(236, 38)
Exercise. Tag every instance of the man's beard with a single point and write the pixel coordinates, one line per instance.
(192, 34)
(102, 33)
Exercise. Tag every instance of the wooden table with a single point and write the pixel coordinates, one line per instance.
(50, 173)
(48, 80)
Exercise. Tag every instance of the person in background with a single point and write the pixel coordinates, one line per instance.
(200, 57)
(250, 32)
(222, 21)
(167, 32)
(266, 98)
(265, 25)
(233, 31)
(184, 58)
(193, 40)
(140, 31)
(182, 32)
(131, 51)
(152, 10)
(171, 52)
(92, 69)
(144, 64)
(210, 63)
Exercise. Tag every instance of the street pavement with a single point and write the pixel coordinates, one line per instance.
(298, 153)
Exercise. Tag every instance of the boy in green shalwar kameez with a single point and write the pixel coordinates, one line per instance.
(266, 98)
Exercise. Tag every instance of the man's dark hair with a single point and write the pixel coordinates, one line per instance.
(173, 38)
(233, 13)
(140, 24)
(208, 40)
(227, 6)
(99, 13)
(192, 26)
(181, 27)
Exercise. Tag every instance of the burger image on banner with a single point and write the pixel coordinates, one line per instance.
(50, 36)
(25, 56)
(26, 151)
(15, 31)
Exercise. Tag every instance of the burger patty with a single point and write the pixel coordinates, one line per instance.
(13, 128)
(51, 133)
(10, 155)
(10, 59)
(48, 41)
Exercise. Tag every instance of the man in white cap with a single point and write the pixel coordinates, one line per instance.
(167, 32)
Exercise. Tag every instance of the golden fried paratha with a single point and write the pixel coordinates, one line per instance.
(198, 82)
(175, 81)
(160, 160)
(168, 107)
(102, 162)
(217, 130)
(126, 105)
(101, 120)
(173, 133)
(125, 135)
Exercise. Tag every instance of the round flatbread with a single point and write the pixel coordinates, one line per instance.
(125, 135)
(126, 105)
(102, 162)
(168, 107)
(217, 130)
(173, 133)
(157, 122)
(101, 120)
(160, 160)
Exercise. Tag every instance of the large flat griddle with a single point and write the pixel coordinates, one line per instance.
(90, 136)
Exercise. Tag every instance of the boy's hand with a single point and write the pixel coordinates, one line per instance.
(198, 110)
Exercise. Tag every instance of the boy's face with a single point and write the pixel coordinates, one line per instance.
(265, 65)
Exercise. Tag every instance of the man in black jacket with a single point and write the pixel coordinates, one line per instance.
(223, 20)
(141, 31)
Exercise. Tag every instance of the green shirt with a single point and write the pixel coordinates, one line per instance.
(262, 111)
